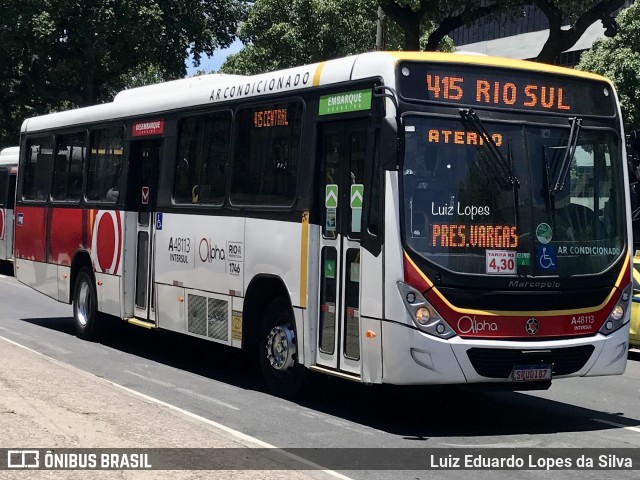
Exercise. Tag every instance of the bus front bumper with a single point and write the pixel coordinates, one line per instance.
(413, 357)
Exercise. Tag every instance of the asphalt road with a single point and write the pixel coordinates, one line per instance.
(221, 384)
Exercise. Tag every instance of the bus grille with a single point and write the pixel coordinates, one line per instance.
(217, 319)
(197, 315)
(208, 317)
(499, 362)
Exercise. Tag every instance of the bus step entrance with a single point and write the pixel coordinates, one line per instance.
(336, 373)
(141, 323)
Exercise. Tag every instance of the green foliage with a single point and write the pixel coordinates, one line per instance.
(281, 34)
(285, 33)
(56, 53)
(579, 15)
(618, 58)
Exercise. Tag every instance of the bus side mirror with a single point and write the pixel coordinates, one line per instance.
(633, 143)
(391, 145)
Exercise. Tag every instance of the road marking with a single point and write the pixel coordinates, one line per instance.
(208, 399)
(614, 424)
(55, 348)
(150, 379)
(235, 433)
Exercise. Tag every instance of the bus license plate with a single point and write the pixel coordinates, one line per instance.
(531, 373)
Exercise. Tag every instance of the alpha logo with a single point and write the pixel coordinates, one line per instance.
(209, 253)
(467, 324)
(106, 238)
(532, 326)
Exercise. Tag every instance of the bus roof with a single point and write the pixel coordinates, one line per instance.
(9, 156)
(183, 83)
(216, 88)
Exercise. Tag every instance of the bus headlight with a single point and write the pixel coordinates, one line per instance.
(617, 313)
(423, 315)
(426, 318)
(616, 318)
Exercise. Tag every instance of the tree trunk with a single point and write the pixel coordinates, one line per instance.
(412, 35)
(381, 30)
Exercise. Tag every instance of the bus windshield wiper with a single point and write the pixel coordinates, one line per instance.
(549, 193)
(570, 150)
(499, 162)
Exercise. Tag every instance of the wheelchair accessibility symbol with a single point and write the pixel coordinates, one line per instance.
(547, 258)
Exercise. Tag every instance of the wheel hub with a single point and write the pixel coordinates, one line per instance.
(281, 347)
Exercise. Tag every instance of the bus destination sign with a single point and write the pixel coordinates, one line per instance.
(274, 117)
(479, 86)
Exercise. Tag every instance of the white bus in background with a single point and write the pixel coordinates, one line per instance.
(391, 217)
(8, 171)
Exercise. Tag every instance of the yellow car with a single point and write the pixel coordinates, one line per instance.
(634, 331)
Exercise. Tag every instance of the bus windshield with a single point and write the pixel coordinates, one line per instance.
(520, 200)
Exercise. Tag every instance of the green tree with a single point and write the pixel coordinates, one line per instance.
(70, 52)
(618, 58)
(285, 33)
(14, 51)
(579, 15)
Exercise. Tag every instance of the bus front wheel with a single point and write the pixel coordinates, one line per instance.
(85, 306)
(278, 350)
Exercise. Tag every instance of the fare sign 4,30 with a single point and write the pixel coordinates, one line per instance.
(209, 257)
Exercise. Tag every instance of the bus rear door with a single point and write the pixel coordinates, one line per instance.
(342, 153)
(144, 159)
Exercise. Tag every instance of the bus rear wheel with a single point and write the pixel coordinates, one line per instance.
(278, 350)
(85, 306)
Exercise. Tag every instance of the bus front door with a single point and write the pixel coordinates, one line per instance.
(144, 162)
(342, 152)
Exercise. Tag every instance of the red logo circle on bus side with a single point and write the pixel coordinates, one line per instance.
(106, 241)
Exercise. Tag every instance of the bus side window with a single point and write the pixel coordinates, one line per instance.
(213, 173)
(105, 165)
(189, 151)
(69, 165)
(203, 151)
(265, 164)
(4, 186)
(37, 169)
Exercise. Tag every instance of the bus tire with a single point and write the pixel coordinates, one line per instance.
(86, 318)
(278, 350)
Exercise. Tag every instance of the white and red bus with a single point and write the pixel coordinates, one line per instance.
(402, 218)
(8, 172)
